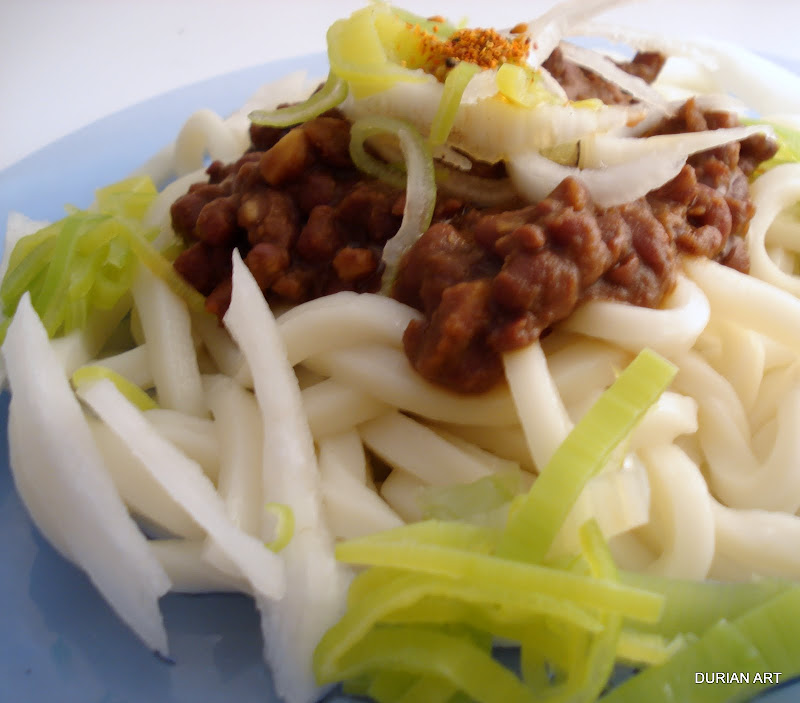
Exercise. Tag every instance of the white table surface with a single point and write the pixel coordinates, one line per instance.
(67, 63)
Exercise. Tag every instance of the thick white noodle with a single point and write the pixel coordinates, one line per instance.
(402, 491)
(755, 543)
(133, 365)
(748, 301)
(741, 361)
(673, 415)
(585, 365)
(342, 320)
(540, 409)
(170, 347)
(680, 512)
(411, 446)
(385, 374)
(773, 192)
(670, 330)
(332, 407)
(238, 425)
(352, 507)
(205, 132)
(345, 450)
(736, 475)
(197, 437)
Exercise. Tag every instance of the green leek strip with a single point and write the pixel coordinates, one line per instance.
(23, 248)
(389, 686)
(432, 653)
(96, 372)
(364, 161)
(454, 86)
(645, 648)
(131, 197)
(50, 304)
(83, 274)
(430, 690)
(694, 606)
(538, 517)
(107, 288)
(329, 96)
(485, 571)
(20, 278)
(406, 591)
(357, 51)
(284, 528)
(764, 639)
(590, 674)
(161, 267)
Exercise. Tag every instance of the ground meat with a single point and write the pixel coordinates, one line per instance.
(304, 220)
(582, 84)
(308, 224)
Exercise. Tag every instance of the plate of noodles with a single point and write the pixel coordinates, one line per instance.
(479, 384)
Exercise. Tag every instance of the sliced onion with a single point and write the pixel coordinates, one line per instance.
(547, 30)
(492, 129)
(606, 150)
(330, 95)
(605, 68)
(420, 184)
(643, 40)
(535, 176)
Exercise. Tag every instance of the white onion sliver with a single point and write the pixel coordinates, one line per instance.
(316, 582)
(605, 68)
(184, 481)
(53, 447)
(535, 176)
(604, 150)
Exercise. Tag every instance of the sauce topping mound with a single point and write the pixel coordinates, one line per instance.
(308, 224)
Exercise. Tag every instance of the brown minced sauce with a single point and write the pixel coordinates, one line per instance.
(308, 224)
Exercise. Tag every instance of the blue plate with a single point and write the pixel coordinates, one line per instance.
(59, 641)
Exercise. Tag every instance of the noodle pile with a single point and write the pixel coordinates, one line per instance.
(341, 430)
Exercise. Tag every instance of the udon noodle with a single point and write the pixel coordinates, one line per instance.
(708, 486)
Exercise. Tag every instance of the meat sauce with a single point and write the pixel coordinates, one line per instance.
(308, 224)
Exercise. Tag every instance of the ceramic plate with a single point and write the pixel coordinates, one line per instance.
(59, 642)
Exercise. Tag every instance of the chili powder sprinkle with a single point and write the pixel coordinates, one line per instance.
(485, 47)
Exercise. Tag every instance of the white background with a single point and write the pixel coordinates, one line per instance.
(66, 63)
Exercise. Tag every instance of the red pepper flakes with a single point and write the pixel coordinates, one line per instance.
(485, 47)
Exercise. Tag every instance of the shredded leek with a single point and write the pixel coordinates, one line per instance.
(284, 528)
(87, 260)
(364, 50)
(536, 520)
(763, 639)
(96, 372)
(329, 96)
(522, 86)
(420, 183)
(454, 86)
(431, 652)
